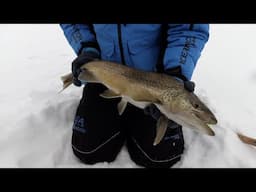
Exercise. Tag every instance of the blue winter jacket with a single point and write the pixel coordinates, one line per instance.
(139, 45)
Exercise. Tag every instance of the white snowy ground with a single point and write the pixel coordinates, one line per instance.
(35, 121)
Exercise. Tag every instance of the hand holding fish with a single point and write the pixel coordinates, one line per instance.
(82, 59)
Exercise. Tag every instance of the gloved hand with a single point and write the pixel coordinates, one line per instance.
(176, 72)
(83, 58)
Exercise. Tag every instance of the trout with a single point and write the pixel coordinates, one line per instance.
(142, 88)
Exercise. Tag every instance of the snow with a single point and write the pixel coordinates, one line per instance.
(36, 121)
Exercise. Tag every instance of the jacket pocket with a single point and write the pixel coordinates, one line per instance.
(107, 50)
(138, 45)
(144, 53)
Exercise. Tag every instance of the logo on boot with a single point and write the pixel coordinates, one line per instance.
(79, 124)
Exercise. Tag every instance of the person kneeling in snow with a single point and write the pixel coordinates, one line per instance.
(98, 131)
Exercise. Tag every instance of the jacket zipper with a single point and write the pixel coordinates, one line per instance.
(191, 26)
(120, 43)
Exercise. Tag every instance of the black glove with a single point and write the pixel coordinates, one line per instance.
(176, 72)
(82, 59)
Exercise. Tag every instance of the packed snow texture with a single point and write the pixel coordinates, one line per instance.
(36, 120)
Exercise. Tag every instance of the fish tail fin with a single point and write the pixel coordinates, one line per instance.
(67, 80)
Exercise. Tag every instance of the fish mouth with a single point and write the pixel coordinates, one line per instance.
(213, 121)
(206, 117)
(191, 120)
(204, 125)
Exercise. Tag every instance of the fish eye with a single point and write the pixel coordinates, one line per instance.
(196, 105)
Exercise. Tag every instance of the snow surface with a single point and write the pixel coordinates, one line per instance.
(35, 120)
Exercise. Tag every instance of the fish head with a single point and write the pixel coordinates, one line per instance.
(194, 113)
(188, 110)
(200, 110)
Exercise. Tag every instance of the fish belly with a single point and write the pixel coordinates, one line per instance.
(139, 104)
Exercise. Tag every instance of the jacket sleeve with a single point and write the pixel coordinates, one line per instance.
(185, 43)
(80, 36)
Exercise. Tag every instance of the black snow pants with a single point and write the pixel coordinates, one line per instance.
(99, 133)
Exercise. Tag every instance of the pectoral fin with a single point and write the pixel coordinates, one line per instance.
(161, 128)
(109, 94)
(121, 106)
